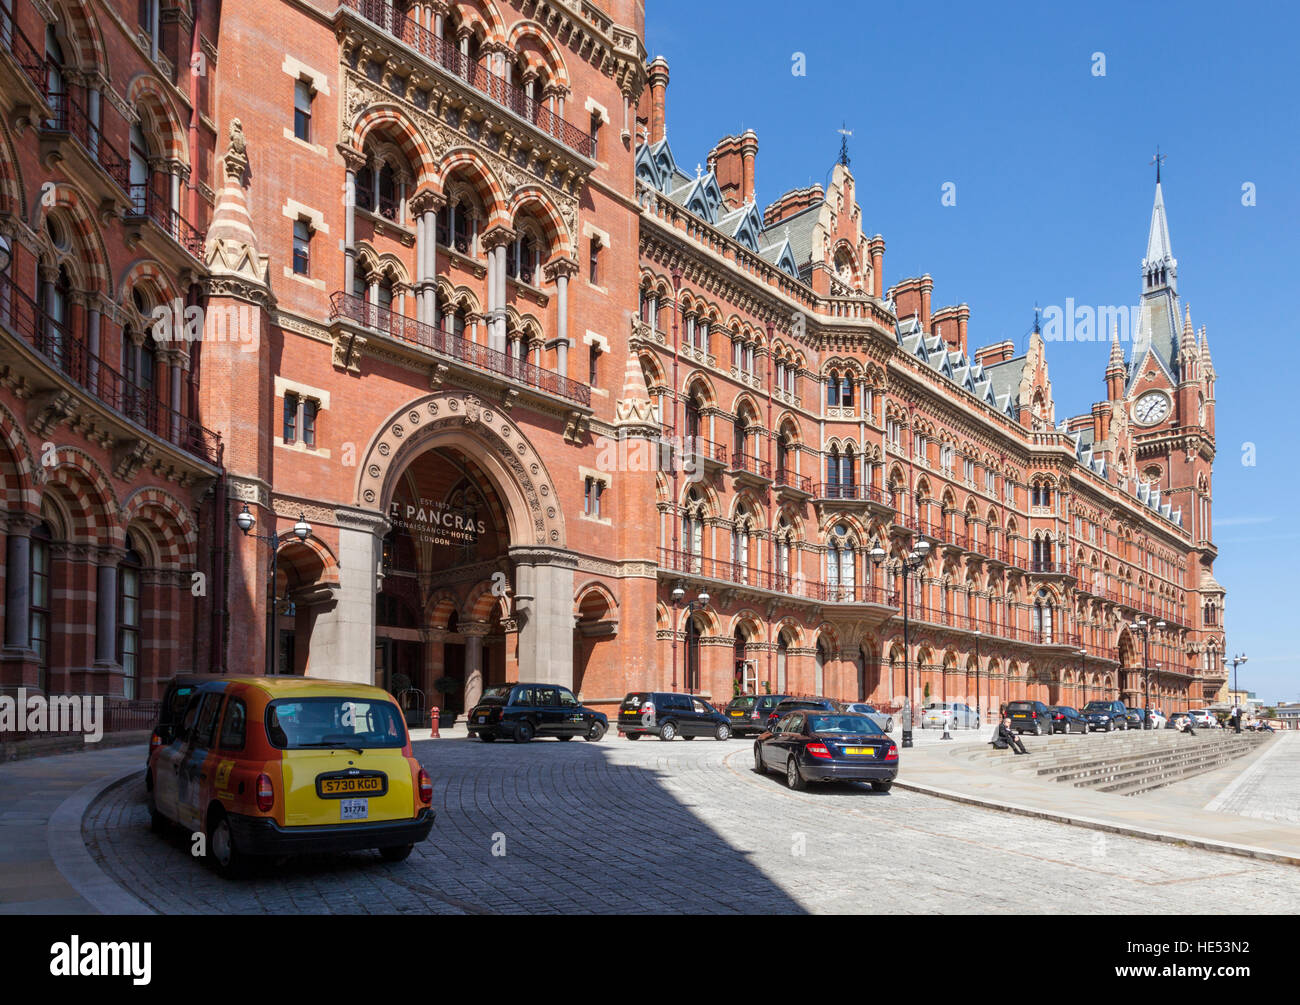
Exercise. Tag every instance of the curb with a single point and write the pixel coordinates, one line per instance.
(74, 861)
(1206, 844)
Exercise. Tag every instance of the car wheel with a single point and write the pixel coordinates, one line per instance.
(1109, 726)
(524, 732)
(563, 738)
(882, 786)
(595, 733)
(632, 736)
(792, 776)
(1038, 729)
(487, 737)
(723, 732)
(157, 822)
(684, 737)
(758, 759)
(226, 856)
(667, 731)
(399, 853)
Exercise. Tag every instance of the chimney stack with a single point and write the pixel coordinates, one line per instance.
(658, 73)
(999, 352)
(877, 247)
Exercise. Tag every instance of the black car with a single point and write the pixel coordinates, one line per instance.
(521, 711)
(748, 712)
(1106, 715)
(1030, 717)
(668, 715)
(1134, 718)
(1067, 720)
(791, 704)
(827, 746)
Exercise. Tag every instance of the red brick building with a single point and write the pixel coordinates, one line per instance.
(427, 277)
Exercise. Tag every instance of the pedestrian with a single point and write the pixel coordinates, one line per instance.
(1185, 725)
(1236, 718)
(1007, 737)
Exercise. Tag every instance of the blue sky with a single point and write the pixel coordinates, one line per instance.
(1053, 196)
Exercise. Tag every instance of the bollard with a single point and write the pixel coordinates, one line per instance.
(433, 722)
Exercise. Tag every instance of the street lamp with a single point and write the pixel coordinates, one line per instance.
(301, 530)
(698, 604)
(1143, 627)
(977, 679)
(1236, 696)
(915, 558)
(1083, 672)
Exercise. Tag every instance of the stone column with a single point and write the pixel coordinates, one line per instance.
(343, 637)
(474, 669)
(544, 610)
(559, 272)
(18, 574)
(106, 608)
(353, 161)
(435, 653)
(93, 317)
(494, 241)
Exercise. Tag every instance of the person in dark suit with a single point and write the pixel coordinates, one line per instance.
(1006, 737)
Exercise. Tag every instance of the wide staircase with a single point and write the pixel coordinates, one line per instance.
(1124, 764)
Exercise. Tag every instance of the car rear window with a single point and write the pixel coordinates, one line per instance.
(746, 701)
(857, 724)
(636, 699)
(303, 723)
(495, 695)
(1022, 704)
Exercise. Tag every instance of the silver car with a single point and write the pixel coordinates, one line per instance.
(954, 715)
(882, 719)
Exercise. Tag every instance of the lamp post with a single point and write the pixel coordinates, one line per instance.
(302, 531)
(1143, 627)
(698, 604)
(1083, 672)
(1236, 696)
(914, 560)
(977, 679)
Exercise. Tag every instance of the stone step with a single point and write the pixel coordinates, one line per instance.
(1098, 774)
(1108, 752)
(1149, 782)
(1090, 759)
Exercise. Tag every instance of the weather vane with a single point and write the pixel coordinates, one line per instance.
(844, 143)
(1157, 160)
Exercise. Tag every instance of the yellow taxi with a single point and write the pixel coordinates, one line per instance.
(273, 766)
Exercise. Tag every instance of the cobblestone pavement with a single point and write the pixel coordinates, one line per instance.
(689, 826)
(1269, 789)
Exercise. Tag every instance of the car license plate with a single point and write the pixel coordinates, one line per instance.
(737, 715)
(870, 751)
(354, 809)
(346, 786)
(1018, 715)
(482, 718)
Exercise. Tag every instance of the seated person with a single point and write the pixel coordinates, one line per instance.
(1006, 737)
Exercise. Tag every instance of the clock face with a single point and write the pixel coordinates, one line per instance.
(1151, 408)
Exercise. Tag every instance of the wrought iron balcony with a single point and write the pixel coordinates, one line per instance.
(15, 41)
(65, 352)
(149, 203)
(392, 18)
(68, 116)
(789, 479)
(360, 312)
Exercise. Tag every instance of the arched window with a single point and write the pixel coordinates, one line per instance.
(740, 546)
(55, 85)
(841, 562)
(38, 625)
(128, 619)
(846, 466)
(833, 469)
(56, 301)
(693, 416)
(846, 389)
(139, 169)
(1043, 616)
(833, 388)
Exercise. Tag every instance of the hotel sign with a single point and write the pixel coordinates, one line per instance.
(434, 521)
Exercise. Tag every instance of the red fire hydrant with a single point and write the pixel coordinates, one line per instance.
(433, 722)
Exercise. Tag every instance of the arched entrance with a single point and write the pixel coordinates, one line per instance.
(456, 516)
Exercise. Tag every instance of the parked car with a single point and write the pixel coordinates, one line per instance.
(273, 766)
(748, 712)
(827, 746)
(1202, 718)
(669, 715)
(1067, 720)
(522, 711)
(815, 702)
(1030, 717)
(1151, 719)
(882, 719)
(1105, 716)
(940, 715)
(1133, 717)
(171, 711)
